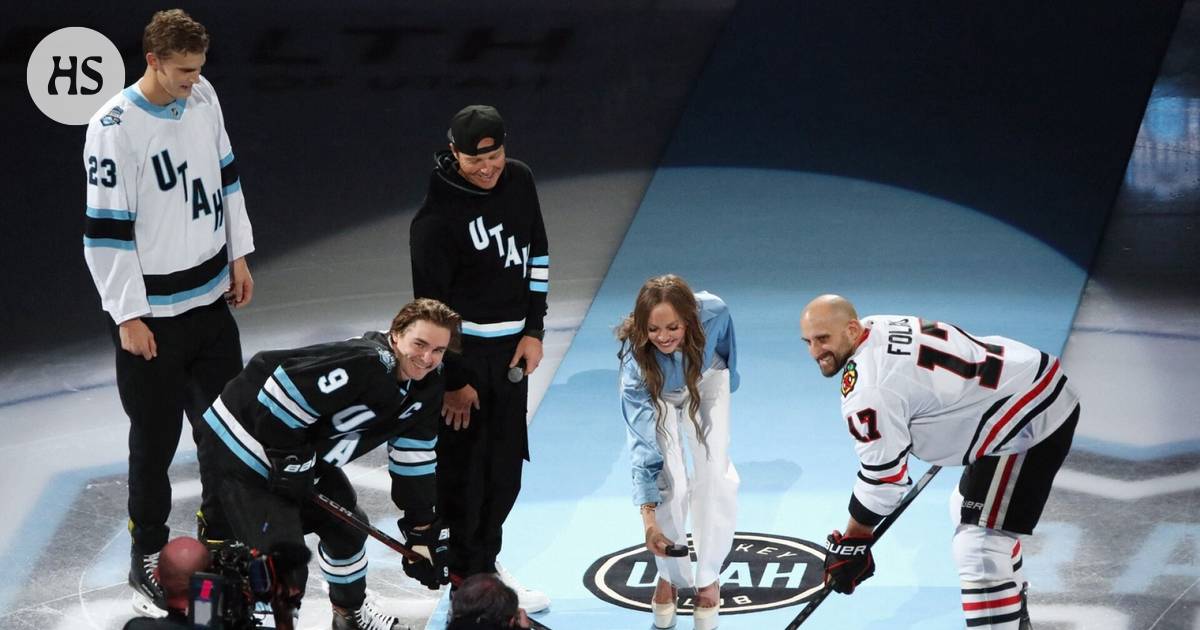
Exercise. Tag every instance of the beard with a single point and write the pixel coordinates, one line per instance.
(833, 366)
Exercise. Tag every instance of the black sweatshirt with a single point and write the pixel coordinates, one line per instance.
(484, 253)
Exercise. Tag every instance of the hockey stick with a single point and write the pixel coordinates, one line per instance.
(350, 518)
(879, 531)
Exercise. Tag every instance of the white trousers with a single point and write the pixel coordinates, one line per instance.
(708, 493)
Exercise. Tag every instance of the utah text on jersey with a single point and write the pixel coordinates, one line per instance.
(165, 213)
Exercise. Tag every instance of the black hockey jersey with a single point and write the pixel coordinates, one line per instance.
(483, 252)
(343, 399)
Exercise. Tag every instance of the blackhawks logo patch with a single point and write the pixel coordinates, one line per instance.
(849, 378)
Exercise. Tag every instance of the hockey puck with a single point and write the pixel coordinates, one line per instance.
(677, 551)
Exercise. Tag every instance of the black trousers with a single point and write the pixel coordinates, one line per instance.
(479, 468)
(261, 519)
(198, 352)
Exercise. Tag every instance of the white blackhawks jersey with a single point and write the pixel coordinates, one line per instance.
(165, 213)
(932, 390)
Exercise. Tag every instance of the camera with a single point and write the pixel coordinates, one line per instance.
(226, 597)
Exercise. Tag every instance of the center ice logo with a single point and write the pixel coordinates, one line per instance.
(762, 572)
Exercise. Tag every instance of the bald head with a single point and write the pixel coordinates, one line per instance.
(829, 325)
(829, 307)
(179, 559)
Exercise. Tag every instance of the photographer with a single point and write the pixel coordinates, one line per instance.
(293, 418)
(180, 558)
(484, 602)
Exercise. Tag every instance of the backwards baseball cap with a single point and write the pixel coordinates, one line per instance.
(474, 123)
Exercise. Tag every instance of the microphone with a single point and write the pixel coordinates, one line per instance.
(515, 374)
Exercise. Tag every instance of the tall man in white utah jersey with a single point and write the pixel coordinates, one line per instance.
(165, 240)
(996, 406)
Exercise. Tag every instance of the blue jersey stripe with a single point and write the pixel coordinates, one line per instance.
(293, 392)
(246, 456)
(232, 188)
(540, 287)
(540, 260)
(158, 111)
(493, 333)
(412, 471)
(183, 296)
(107, 213)
(278, 412)
(111, 243)
(227, 159)
(411, 443)
(345, 579)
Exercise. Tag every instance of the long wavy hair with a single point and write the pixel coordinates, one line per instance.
(633, 333)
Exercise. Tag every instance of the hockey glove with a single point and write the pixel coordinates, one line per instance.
(433, 543)
(292, 472)
(848, 561)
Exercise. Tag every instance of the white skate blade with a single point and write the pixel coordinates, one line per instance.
(145, 607)
(406, 609)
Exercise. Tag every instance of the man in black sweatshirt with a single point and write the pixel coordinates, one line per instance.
(478, 244)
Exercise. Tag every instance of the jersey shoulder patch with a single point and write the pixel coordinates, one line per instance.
(113, 117)
(849, 378)
(387, 359)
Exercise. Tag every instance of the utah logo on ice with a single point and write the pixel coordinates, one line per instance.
(761, 572)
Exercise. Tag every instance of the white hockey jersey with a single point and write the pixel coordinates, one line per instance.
(931, 389)
(165, 213)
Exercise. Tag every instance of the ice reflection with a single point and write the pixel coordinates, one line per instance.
(1166, 158)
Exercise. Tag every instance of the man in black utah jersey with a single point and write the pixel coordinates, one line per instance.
(293, 418)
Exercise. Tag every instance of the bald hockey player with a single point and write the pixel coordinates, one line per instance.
(999, 408)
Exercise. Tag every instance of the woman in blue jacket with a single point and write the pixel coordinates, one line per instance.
(678, 368)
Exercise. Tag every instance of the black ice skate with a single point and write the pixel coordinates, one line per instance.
(1025, 624)
(148, 598)
(366, 617)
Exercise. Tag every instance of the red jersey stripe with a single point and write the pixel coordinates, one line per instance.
(999, 498)
(1033, 393)
(898, 476)
(996, 603)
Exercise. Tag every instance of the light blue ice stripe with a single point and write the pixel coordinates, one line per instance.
(183, 296)
(293, 392)
(411, 443)
(106, 213)
(227, 159)
(540, 260)
(412, 471)
(277, 411)
(540, 287)
(246, 456)
(107, 242)
(232, 188)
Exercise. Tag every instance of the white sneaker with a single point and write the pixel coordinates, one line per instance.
(532, 601)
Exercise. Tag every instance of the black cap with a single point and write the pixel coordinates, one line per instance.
(474, 123)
